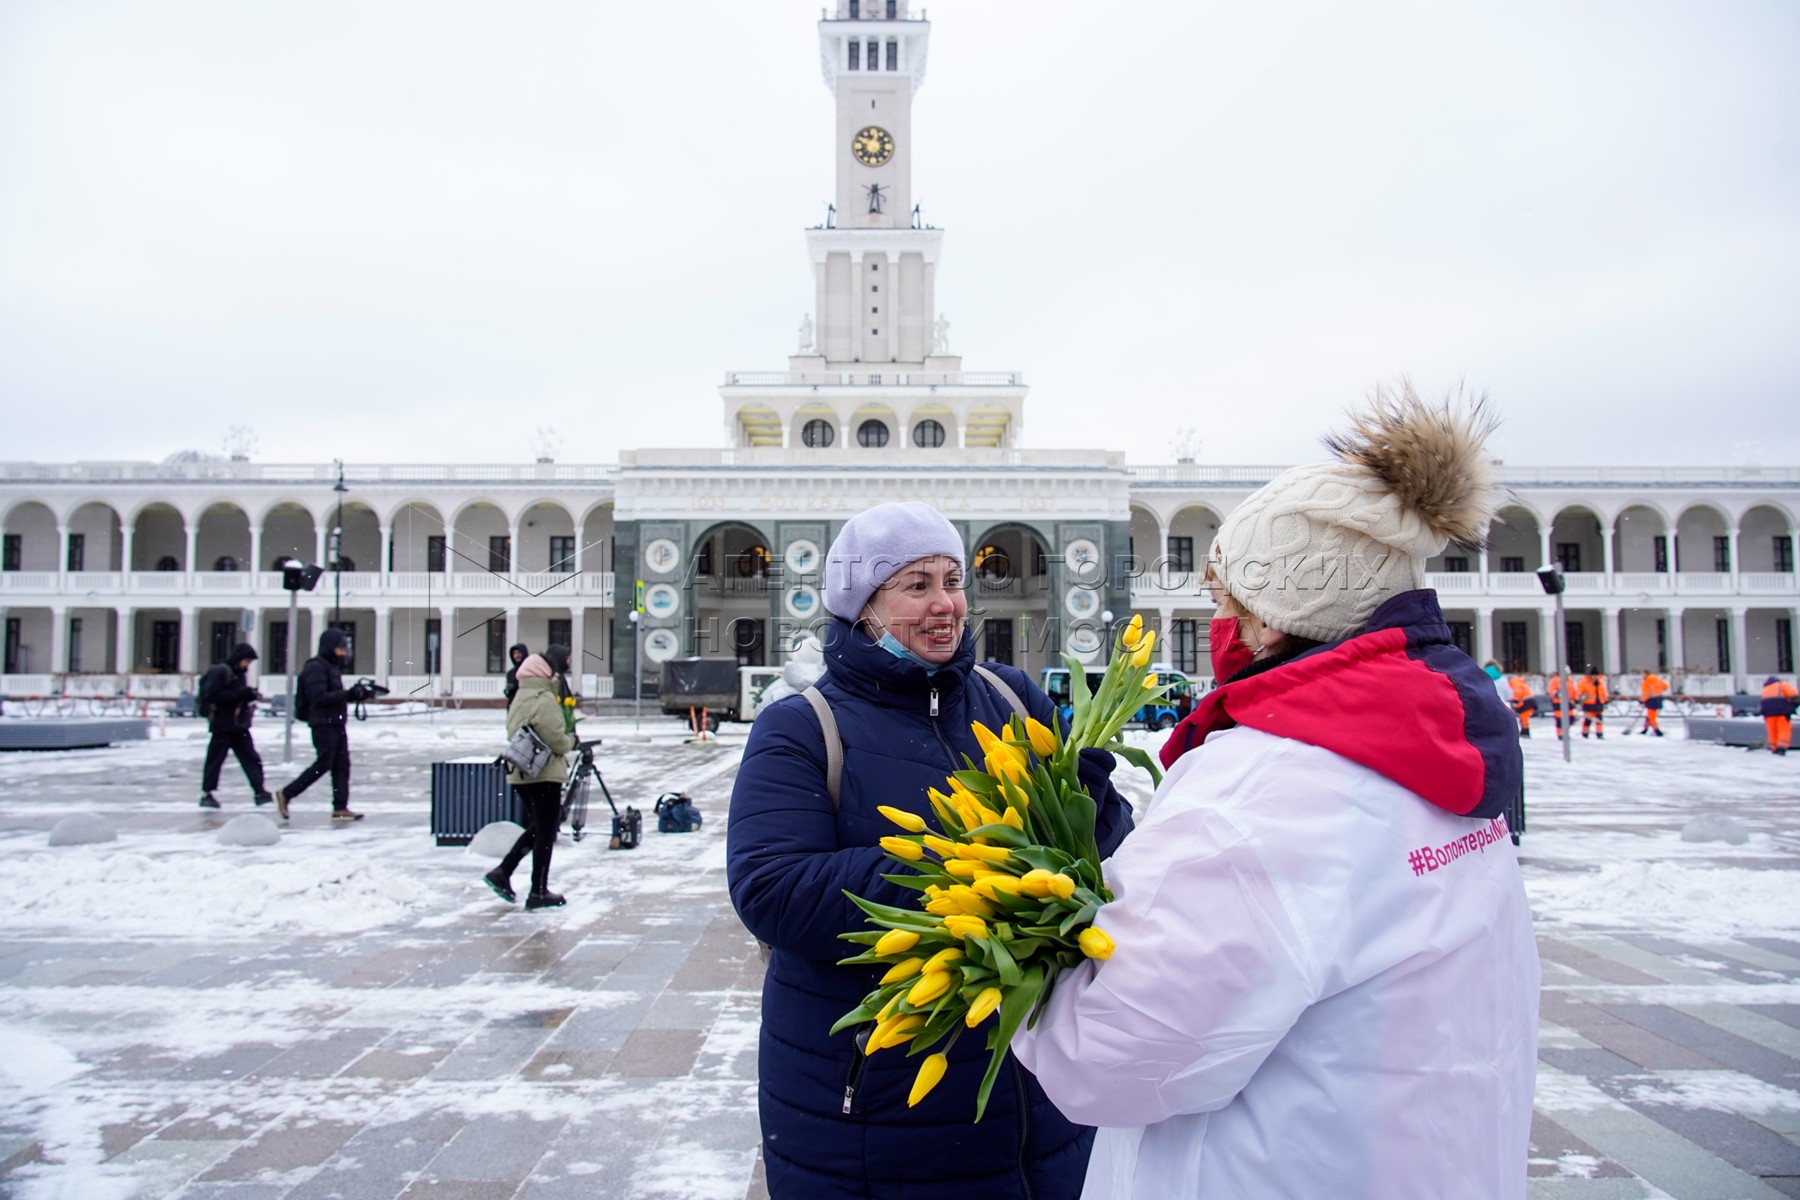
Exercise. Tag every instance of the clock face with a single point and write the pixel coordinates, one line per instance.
(872, 146)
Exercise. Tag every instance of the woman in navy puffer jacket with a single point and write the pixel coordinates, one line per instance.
(900, 682)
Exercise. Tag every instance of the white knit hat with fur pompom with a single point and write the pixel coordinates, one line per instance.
(1315, 551)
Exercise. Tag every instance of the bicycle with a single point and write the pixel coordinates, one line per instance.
(627, 827)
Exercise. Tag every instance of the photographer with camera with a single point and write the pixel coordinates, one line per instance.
(323, 702)
(228, 702)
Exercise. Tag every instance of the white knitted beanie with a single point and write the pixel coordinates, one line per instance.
(1316, 550)
(873, 546)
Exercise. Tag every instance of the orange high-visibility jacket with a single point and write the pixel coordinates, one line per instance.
(1521, 691)
(1654, 686)
(1590, 689)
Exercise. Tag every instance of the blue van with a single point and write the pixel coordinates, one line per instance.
(1161, 715)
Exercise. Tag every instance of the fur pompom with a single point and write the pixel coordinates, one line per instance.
(1434, 459)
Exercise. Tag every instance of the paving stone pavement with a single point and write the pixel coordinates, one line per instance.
(613, 1053)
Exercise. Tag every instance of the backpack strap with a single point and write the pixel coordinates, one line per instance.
(1005, 689)
(834, 744)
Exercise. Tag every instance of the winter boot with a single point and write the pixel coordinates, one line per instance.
(281, 804)
(1600, 735)
(343, 816)
(207, 801)
(502, 886)
(543, 899)
(263, 798)
(1659, 731)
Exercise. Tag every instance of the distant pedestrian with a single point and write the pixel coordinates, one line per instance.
(540, 706)
(1778, 702)
(518, 654)
(1590, 692)
(323, 702)
(1522, 702)
(1553, 687)
(1651, 693)
(228, 702)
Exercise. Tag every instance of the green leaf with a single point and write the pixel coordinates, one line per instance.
(1000, 834)
(1080, 916)
(916, 881)
(1013, 1009)
(1010, 975)
(1137, 756)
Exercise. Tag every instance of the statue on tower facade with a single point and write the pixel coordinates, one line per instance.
(806, 334)
(940, 335)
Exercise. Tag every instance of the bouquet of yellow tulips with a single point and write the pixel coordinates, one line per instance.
(1008, 889)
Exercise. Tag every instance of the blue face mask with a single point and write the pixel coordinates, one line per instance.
(892, 645)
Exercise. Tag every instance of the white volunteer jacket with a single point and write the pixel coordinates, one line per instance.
(1324, 987)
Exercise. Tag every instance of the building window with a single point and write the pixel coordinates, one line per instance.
(1660, 546)
(1662, 644)
(753, 562)
(558, 631)
(165, 645)
(1721, 554)
(1462, 636)
(893, 56)
(225, 563)
(434, 645)
(12, 553)
(1184, 645)
(168, 563)
(14, 632)
(874, 56)
(1456, 564)
(997, 640)
(1181, 554)
(893, 9)
(276, 661)
(1784, 645)
(1722, 630)
(817, 433)
(74, 645)
(872, 434)
(500, 554)
(1784, 553)
(496, 646)
(1514, 563)
(703, 561)
(856, 56)
(78, 551)
(928, 435)
(856, 10)
(436, 554)
(1575, 642)
(562, 554)
(224, 637)
(991, 562)
(1513, 646)
(1040, 562)
(1568, 556)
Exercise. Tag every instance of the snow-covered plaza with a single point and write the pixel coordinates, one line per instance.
(349, 1013)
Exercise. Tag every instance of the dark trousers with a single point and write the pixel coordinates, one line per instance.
(331, 752)
(542, 803)
(232, 741)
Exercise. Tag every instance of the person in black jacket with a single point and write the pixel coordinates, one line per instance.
(230, 703)
(518, 654)
(323, 702)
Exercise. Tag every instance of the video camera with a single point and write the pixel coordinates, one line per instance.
(367, 689)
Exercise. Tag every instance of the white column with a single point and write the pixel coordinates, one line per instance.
(323, 531)
(514, 556)
(1606, 550)
(256, 563)
(890, 307)
(125, 539)
(62, 555)
(123, 621)
(385, 553)
(1677, 650)
(1609, 641)
(59, 639)
(1544, 547)
(193, 547)
(188, 656)
(1731, 541)
(512, 628)
(381, 668)
(1735, 624)
(577, 645)
(446, 639)
(1484, 635)
(1547, 641)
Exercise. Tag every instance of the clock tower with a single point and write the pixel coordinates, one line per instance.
(875, 264)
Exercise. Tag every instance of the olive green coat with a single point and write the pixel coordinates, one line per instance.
(539, 706)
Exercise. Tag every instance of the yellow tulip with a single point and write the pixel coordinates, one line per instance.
(985, 737)
(982, 1007)
(930, 1071)
(1011, 817)
(961, 868)
(887, 1010)
(964, 926)
(993, 854)
(940, 804)
(943, 958)
(1042, 739)
(896, 941)
(1007, 762)
(1094, 943)
(893, 1031)
(906, 968)
(971, 901)
(1036, 882)
(996, 887)
(1016, 796)
(911, 822)
(929, 988)
(942, 847)
(905, 848)
(942, 906)
(1129, 639)
(987, 815)
(1061, 886)
(1140, 658)
(1149, 682)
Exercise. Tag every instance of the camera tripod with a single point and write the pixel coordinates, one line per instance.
(627, 827)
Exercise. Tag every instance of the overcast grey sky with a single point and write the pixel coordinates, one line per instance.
(408, 232)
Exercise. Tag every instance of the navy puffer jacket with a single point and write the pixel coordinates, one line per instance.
(834, 1123)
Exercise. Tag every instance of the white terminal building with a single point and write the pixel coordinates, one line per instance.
(133, 576)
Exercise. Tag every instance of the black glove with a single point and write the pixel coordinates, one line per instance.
(1095, 770)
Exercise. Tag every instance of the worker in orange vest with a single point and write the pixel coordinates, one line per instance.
(1522, 703)
(1778, 701)
(1651, 693)
(1590, 693)
(1554, 686)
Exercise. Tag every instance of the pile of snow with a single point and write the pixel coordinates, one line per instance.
(1699, 901)
(495, 839)
(249, 829)
(200, 895)
(1715, 827)
(82, 829)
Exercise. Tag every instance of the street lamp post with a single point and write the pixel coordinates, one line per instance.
(337, 545)
(296, 577)
(637, 667)
(1106, 618)
(1551, 580)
